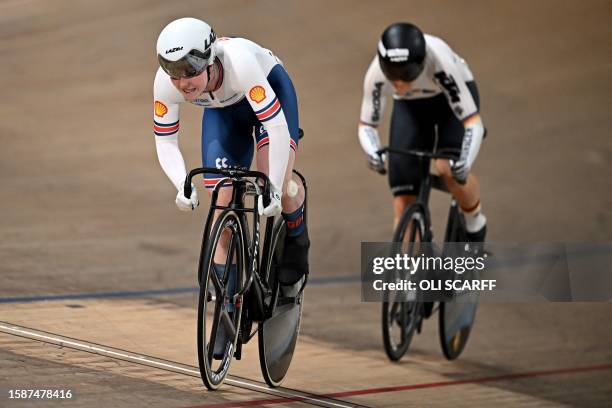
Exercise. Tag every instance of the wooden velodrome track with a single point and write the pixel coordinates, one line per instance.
(98, 267)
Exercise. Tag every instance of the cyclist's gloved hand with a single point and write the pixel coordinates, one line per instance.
(377, 163)
(460, 170)
(275, 207)
(187, 204)
(370, 143)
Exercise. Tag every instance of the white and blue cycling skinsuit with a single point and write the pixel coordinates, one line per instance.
(255, 95)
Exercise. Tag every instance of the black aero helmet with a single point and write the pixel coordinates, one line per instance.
(401, 52)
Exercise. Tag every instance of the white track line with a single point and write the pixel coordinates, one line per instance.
(59, 340)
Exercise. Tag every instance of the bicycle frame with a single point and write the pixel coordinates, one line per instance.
(455, 232)
(428, 181)
(242, 187)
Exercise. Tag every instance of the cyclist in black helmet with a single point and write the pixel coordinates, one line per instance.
(435, 106)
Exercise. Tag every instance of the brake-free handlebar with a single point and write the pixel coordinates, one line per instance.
(417, 153)
(231, 172)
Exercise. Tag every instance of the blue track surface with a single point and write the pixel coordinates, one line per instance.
(148, 293)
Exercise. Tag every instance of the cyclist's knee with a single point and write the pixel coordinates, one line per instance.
(400, 203)
(444, 169)
(223, 199)
(293, 194)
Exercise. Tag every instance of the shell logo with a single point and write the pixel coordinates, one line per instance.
(160, 109)
(257, 93)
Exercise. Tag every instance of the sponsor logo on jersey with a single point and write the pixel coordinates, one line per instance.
(376, 93)
(160, 109)
(221, 163)
(467, 142)
(257, 93)
(450, 86)
(175, 49)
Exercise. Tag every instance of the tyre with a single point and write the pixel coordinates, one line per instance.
(401, 311)
(219, 312)
(278, 334)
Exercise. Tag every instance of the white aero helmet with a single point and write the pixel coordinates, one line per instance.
(185, 47)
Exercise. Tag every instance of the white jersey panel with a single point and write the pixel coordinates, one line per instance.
(239, 57)
(167, 101)
(376, 90)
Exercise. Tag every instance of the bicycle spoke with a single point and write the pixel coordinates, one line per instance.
(228, 324)
(217, 282)
(413, 231)
(213, 333)
(228, 260)
(403, 320)
(393, 313)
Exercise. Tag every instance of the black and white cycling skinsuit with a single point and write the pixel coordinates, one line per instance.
(441, 112)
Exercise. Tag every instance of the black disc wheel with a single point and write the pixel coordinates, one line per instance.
(278, 333)
(456, 320)
(457, 314)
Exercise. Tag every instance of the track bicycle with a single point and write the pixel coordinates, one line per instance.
(235, 300)
(403, 313)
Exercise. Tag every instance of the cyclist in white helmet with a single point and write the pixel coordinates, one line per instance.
(435, 104)
(249, 103)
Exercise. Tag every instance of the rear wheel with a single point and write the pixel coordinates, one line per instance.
(278, 334)
(401, 310)
(219, 311)
(457, 314)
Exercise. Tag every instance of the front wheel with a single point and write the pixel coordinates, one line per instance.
(278, 333)
(401, 311)
(219, 310)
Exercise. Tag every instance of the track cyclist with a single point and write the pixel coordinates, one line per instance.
(433, 88)
(245, 92)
